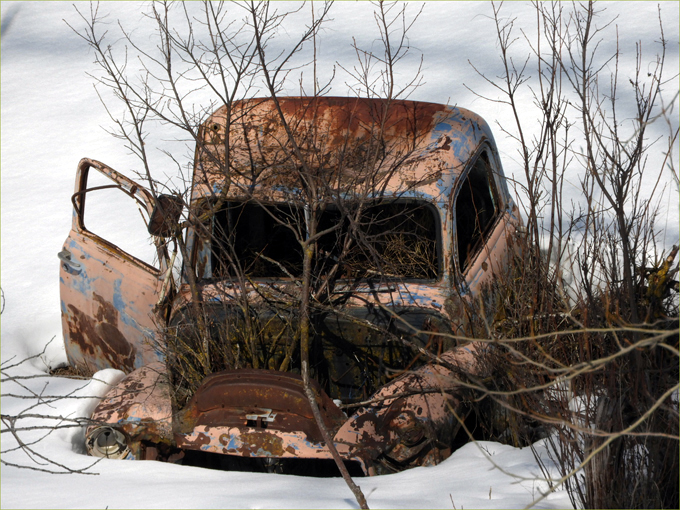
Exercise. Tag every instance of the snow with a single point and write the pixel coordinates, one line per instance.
(51, 117)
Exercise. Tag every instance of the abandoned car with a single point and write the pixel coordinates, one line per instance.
(337, 239)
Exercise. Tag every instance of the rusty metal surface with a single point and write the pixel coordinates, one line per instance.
(108, 298)
(426, 145)
(106, 309)
(258, 413)
(430, 146)
(254, 443)
(420, 412)
(140, 406)
(263, 399)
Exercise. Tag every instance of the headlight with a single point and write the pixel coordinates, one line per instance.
(107, 442)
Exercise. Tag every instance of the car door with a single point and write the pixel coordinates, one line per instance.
(108, 293)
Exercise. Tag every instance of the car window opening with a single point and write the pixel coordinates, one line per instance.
(476, 210)
(396, 239)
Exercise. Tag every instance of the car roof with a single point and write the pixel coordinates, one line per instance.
(353, 145)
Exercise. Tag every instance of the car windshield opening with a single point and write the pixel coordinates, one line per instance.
(387, 239)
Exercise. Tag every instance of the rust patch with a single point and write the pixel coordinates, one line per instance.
(445, 143)
(255, 443)
(334, 135)
(100, 340)
(263, 399)
(202, 440)
(140, 405)
(105, 311)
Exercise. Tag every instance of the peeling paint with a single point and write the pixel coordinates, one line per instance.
(387, 354)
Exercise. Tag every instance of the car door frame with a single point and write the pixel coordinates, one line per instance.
(108, 296)
(486, 261)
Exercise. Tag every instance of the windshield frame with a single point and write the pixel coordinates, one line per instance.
(203, 253)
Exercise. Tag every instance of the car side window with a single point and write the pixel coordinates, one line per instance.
(116, 217)
(477, 208)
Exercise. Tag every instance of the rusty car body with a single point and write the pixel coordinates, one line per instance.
(387, 353)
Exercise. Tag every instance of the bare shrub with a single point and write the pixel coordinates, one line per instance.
(584, 327)
(335, 223)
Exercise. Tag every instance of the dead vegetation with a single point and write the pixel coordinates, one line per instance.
(583, 331)
(580, 336)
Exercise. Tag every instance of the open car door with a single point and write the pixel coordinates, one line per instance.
(108, 293)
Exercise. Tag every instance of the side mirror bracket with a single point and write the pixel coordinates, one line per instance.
(165, 217)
